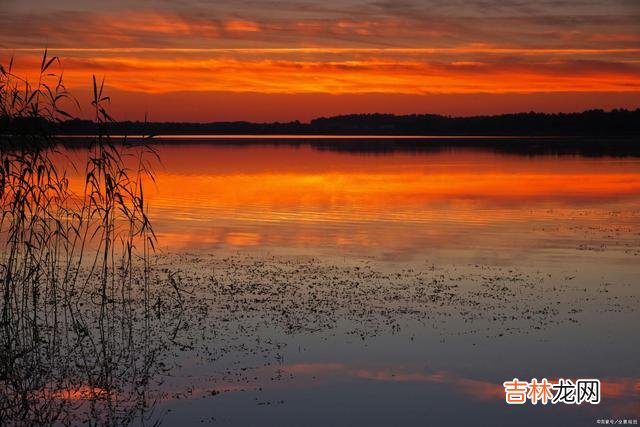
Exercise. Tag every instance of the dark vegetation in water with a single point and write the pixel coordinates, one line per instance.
(76, 343)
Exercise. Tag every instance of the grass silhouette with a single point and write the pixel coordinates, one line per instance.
(75, 332)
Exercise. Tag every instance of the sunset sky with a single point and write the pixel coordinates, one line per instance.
(264, 60)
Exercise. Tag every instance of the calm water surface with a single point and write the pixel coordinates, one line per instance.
(470, 203)
(570, 223)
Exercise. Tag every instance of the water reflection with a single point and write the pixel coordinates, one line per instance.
(479, 264)
(282, 196)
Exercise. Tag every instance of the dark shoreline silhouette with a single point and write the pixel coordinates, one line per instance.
(617, 122)
(590, 133)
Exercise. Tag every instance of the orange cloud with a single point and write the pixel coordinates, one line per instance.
(336, 50)
(187, 27)
(242, 26)
(382, 72)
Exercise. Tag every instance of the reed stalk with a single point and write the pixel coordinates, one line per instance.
(74, 263)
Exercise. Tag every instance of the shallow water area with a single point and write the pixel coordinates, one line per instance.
(326, 286)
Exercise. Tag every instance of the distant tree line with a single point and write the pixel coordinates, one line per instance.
(592, 122)
(588, 123)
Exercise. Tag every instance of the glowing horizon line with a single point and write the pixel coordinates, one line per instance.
(468, 49)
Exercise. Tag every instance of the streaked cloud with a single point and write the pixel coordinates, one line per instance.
(407, 47)
(377, 24)
(351, 71)
(242, 26)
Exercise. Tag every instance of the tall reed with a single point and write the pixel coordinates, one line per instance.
(74, 263)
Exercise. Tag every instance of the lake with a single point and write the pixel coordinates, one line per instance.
(474, 204)
(325, 284)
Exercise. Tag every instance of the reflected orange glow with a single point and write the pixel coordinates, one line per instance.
(82, 393)
(477, 389)
(481, 390)
(378, 191)
(207, 195)
(616, 388)
(612, 388)
(242, 239)
(618, 395)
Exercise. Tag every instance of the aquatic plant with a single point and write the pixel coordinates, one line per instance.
(74, 263)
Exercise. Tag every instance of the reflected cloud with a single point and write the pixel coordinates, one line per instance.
(243, 239)
(476, 389)
(613, 390)
(82, 393)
